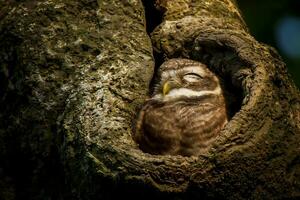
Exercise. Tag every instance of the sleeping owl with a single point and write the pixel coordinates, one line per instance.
(185, 113)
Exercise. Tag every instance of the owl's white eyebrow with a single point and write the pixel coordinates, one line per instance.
(168, 73)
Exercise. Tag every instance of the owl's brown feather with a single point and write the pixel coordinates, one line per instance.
(183, 125)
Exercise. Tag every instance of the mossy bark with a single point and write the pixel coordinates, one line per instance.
(75, 73)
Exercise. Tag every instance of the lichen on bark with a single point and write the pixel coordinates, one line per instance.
(75, 74)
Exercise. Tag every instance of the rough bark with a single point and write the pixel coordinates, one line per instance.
(74, 74)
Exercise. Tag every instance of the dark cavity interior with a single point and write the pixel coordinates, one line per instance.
(227, 65)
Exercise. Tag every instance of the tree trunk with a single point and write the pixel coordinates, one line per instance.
(74, 74)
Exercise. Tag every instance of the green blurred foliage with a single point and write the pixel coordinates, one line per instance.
(262, 18)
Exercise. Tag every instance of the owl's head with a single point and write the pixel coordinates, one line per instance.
(183, 78)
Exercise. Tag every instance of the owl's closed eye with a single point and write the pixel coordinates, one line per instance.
(192, 77)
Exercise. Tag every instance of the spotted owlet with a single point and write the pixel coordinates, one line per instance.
(185, 113)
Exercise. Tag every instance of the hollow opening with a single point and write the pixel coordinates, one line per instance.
(221, 59)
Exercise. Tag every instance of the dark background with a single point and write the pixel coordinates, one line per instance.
(276, 23)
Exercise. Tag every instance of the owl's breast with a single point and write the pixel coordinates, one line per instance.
(202, 126)
(178, 127)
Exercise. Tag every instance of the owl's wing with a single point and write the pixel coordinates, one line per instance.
(156, 131)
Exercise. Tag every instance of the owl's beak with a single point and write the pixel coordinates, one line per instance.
(166, 88)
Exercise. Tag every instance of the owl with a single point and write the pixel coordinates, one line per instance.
(186, 112)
